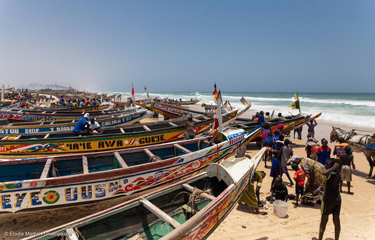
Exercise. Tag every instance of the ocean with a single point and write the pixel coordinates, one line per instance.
(354, 109)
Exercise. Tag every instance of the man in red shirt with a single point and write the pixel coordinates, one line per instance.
(299, 177)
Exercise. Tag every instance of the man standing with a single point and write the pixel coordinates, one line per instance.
(311, 125)
(189, 128)
(332, 199)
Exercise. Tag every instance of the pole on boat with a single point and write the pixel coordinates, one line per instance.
(2, 94)
(219, 115)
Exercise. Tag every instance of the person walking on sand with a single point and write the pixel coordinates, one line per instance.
(286, 152)
(331, 203)
(299, 177)
(311, 125)
(346, 171)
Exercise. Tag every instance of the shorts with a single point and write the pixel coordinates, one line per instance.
(299, 189)
(331, 208)
(284, 169)
(346, 173)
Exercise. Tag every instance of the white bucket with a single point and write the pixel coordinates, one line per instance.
(280, 208)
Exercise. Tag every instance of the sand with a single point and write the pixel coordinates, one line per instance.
(357, 214)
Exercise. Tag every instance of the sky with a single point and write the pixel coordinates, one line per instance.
(242, 46)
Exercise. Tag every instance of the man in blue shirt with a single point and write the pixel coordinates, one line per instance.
(80, 128)
(261, 119)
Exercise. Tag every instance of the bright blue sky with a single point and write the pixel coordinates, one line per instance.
(189, 45)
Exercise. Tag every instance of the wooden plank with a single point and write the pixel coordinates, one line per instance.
(181, 148)
(47, 135)
(5, 138)
(159, 213)
(203, 194)
(42, 123)
(122, 130)
(52, 122)
(71, 234)
(85, 165)
(243, 126)
(46, 168)
(148, 152)
(120, 160)
(53, 112)
(146, 128)
(172, 124)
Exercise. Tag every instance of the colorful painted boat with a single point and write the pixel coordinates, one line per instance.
(22, 115)
(173, 111)
(290, 123)
(63, 126)
(79, 109)
(189, 209)
(8, 103)
(34, 183)
(112, 138)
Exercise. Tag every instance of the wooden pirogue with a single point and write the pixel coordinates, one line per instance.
(63, 180)
(111, 139)
(289, 123)
(173, 111)
(52, 116)
(35, 127)
(190, 209)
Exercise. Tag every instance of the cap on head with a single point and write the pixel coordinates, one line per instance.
(86, 115)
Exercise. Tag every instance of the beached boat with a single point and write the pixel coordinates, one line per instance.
(35, 127)
(79, 109)
(290, 123)
(172, 111)
(27, 115)
(63, 180)
(189, 209)
(111, 139)
(8, 103)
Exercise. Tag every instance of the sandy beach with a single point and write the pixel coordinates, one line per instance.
(357, 214)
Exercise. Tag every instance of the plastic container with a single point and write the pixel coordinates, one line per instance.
(280, 208)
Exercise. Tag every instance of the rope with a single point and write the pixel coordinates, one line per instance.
(78, 233)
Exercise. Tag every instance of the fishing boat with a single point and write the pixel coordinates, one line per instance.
(35, 127)
(289, 123)
(189, 209)
(8, 103)
(79, 109)
(27, 115)
(63, 180)
(112, 137)
(172, 111)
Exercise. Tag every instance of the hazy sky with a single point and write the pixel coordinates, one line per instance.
(189, 45)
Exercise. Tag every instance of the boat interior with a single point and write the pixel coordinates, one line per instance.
(27, 169)
(153, 217)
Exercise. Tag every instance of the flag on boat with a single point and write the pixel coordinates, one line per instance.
(225, 105)
(218, 96)
(215, 93)
(139, 101)
(145, 88)
(295, 104)
(243, 100)
(133, 98)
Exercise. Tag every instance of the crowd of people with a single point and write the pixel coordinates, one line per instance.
(318, 177)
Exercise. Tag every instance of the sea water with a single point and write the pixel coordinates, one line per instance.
(355, 109)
